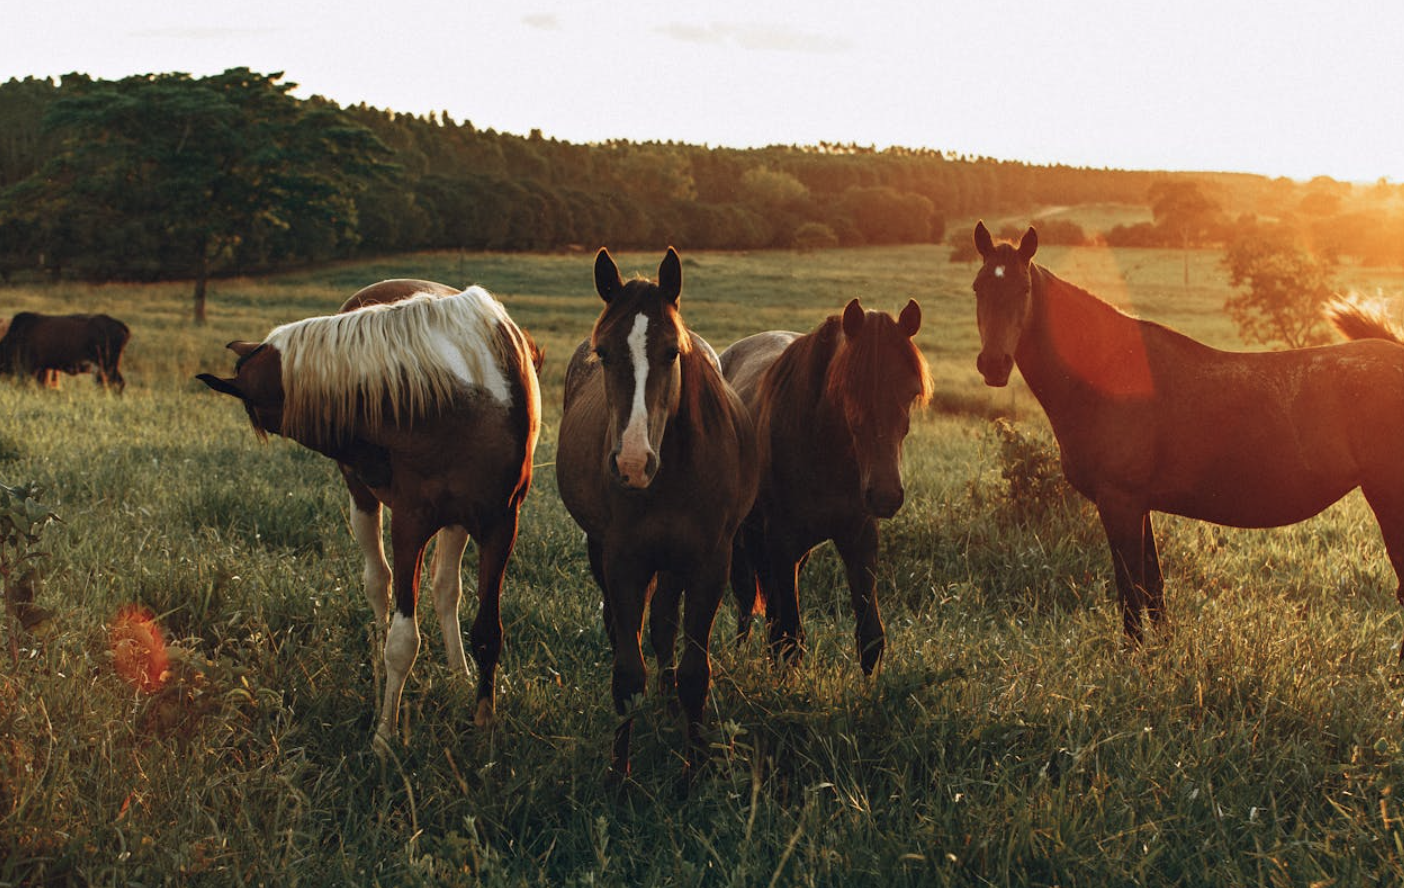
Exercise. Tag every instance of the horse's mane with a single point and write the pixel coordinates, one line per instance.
(1357, 321)
(850, 373)
(706, 400)
(861, 367)
(389, 363)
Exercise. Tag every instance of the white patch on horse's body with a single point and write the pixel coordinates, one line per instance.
(634, 444)
(999, 271)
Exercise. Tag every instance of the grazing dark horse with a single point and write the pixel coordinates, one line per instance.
(1148, 419)
(656, 464)
(42, 346)
(427, 398)
(831, 409)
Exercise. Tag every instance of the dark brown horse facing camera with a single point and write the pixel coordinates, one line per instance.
(655, 462)
(832, 409)
(427, 398)
(1148, 419)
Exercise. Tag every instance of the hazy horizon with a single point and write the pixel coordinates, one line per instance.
(1202, 87)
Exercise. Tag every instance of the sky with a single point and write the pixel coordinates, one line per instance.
(1295, 89)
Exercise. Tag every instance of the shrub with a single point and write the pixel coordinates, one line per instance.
(1032, 468)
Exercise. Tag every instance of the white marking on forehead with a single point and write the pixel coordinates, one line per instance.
(999, 271)
(638, 353)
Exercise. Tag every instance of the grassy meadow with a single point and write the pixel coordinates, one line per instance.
(1009, 739)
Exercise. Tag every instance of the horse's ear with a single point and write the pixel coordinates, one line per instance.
(853, 318)
(607, 282)
(983, 242)
(910, 320)
(1028, 245)
(670, 276)
(223, 386)
(241, 348)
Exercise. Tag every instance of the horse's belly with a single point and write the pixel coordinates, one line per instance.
(1254, 499)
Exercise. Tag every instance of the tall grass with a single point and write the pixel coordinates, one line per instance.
(1010, 737)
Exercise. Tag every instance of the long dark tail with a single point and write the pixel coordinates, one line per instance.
(1356, 321)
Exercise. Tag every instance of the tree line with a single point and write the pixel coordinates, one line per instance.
(169, 176)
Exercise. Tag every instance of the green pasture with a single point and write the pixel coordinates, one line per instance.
(1011, 738)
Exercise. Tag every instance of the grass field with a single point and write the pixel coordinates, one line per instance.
(1010, 738)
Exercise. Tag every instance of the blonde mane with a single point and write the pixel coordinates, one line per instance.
(390, 363)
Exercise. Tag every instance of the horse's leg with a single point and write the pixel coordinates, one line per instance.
(748, 558)
(1127, 527)
(704, 594)
(365, 527)
(663, 628)
(782, 604)
(409, 534)
(446, 580)
(494, 550)
(1154, 579)
(625, 596)
(859, 553)
(1388, 506)
(595, 552)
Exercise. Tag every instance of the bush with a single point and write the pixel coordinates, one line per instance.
(814, 236)
(1032, 467)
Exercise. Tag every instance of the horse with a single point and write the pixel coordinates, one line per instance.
(1148, 419)
(42, 346)
(656, 464)
(832, 409)
(427, 399)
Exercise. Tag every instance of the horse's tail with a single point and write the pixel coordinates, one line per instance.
(1356, 321)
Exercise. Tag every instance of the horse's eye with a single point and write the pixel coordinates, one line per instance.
(670, 355)
(602, 356)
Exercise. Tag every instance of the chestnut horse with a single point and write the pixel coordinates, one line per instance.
(1148, 419)
(832, 409)
(427, 398)
(656, 465)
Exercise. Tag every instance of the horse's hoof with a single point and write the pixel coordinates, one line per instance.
(486, 715)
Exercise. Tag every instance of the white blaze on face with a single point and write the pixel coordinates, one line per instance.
(999, 271)
(634, 446)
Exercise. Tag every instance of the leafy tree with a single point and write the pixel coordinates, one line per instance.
(189, 175)
(1285, 288)
(1185, 213)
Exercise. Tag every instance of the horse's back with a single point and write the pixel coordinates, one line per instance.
(394, 290)
(745, 361)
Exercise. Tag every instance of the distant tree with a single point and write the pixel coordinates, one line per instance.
(1058, 232)
(189, 172)
(1185, 213)
(770, 190)
(1284, 288)
(814, 236)
(887, 216)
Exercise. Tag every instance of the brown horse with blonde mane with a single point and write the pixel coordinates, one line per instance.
(427, 398)
(1148, 419)
(655, 463)
(832, 409)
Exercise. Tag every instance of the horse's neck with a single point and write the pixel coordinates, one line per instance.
(1074, 344)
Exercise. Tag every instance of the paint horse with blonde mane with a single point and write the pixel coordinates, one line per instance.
(832, 409)
(1148, 419)
(655, 463)
(427, 398)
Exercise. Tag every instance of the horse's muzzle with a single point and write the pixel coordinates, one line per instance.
(636, 474)
(995, 369)
(884, 503)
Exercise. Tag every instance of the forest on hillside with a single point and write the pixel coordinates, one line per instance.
(169, 176)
